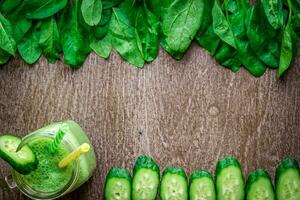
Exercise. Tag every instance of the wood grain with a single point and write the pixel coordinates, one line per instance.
(188, 113)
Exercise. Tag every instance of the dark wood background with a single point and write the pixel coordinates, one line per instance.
(188, 113)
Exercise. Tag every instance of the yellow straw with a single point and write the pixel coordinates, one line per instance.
(82, 149)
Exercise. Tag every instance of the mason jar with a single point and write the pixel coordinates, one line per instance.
(79, 171)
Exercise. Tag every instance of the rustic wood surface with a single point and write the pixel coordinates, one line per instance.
(188, 113)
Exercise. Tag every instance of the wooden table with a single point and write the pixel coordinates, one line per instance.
(188, 113)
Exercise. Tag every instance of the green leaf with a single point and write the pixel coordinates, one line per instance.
(234, 64)
(4, 57)
(288, 44)
(250, 61)
(123, 38)
(134, 39)
(231, 29)
(91, 11)
(8, 5)
(49, 40)
(102, 47)
(286, 54)
(273, 11)
(110, 3)
(75, 43)
(180, 23)
(263, 37)
(39, 9)
(225, 52)
(206, 21)
(106, 16)
(209, 40)
(29, 48)
(100, 30)
(206, 36)
(21, 25)
(146, 32)
(227, 56)
(221, 26)
(244, 52)
(7, 42)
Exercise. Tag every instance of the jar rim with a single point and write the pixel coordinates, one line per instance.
(30, 192)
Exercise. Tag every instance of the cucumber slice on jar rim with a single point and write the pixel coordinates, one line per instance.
(23, 161)
(287, 180)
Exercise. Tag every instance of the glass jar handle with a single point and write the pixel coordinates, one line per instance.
(7, 183)
(10, 182)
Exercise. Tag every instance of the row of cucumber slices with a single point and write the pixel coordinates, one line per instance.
(228, 184)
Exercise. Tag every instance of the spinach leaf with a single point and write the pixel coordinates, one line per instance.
(273, 11)
(296, 20)
(29, 48)
(146, 32)
(106, 16)
(180, 23)
(227, 56)
(221, 26)
(102, 47)
(286, 55)
(101, 41)
(160, 7)
(110, 3)
(7, 42)
(206, 21)
(134, 39)
(248, 58)
(245, 54)
(263, 37)
(206, 36)
(20, 24)
(91, 11)
(4, 57)
(39, 9)
(233, 63)
(234, 34)
(75, 44)
(123, 38)
(157, 7)
(49, 40)
(8, 5)
(288, 47)
(209, 40)
(101, 29)
(100, 32)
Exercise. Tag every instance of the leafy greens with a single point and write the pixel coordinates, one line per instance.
(257, 37)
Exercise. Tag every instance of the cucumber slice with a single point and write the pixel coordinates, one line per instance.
(259, 186)
(202, 186)
(118, 184)
(174, 184)
(287, 180)
(229, 180)
(24, 161)
(145, 180)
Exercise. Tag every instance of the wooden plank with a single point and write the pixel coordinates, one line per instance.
(188, 113)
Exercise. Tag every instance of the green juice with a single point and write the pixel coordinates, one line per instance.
(48, 177)
(49, 181)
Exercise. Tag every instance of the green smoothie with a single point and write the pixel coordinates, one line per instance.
(49, 181)
(48, 177)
